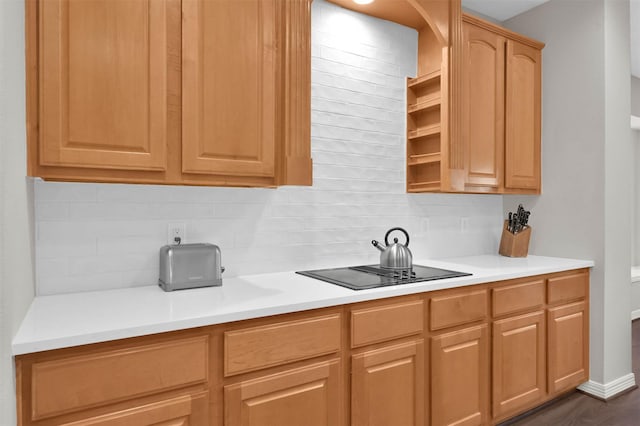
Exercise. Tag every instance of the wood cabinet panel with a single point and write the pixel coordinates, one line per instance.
(294, 165)
(519, 363)
(188, 410)
(522, 139)
(388, 386)
(460, 377)
(483, 119)
(112, 376)
(461, 308)
(567, 288)
(387, 322)
(310, 395)
(103, 84)
(165, 91)
(518, 297)
(501, 109)
(568, 340)
(229, 87)
(265, 346)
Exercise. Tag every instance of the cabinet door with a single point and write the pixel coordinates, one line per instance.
(568, 340)
(483, 106)
(188, 410)
(388, 386)
(522, 140)
(460, 377)
(103, 85)
(310, 396)
(229, 87)
(518, 363)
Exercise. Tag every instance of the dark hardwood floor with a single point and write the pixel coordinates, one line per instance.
(580, 409)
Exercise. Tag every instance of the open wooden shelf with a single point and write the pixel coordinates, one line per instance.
(424, 131)
(426, 102)
(418, 159)
(424, 105)
(423, 80)
(424, 186)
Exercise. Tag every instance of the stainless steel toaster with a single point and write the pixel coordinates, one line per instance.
(190, 266)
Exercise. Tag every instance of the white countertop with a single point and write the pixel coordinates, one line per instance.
(65, 320)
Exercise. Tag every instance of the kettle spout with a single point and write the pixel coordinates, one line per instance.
(377, 245)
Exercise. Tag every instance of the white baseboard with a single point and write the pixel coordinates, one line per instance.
(607, 390)
(635, 314)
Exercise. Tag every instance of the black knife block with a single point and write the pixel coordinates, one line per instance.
(514, 245)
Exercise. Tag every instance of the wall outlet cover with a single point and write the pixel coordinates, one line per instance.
(176, 233)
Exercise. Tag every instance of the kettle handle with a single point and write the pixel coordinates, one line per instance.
(406, 234)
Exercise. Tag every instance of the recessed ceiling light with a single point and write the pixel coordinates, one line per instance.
(363, 1)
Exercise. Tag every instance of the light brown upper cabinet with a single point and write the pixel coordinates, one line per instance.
(229, 86)
(522, 113)
(103, 84)
(473, 109)
(483, 111)
(501, 109)
(167, 91)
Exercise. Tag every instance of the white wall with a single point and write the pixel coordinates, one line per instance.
(635, 96)
(583, 211)
(635, 252)
(97, 236)
(635, 224)
(635, 246)
(16, 272)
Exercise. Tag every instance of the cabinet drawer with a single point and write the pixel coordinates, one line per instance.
(266, 346)
(386, 322)
(518, 297)
(85, 381)
(458, 309)
(568, 287)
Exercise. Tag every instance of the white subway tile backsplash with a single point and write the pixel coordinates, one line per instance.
(334, 68)
(360, 111)
(357, 85)
(356, 135)
(87, 265)
(53, 267)
(52, 211)
(369, 150)
(321, 93)
(103, 236)
(121, 245)
(69, 231)
(56, 284)
(62, 192)
(359, 123)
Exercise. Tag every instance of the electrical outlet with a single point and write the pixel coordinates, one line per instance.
(176, 233)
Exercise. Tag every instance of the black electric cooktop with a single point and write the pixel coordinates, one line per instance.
(372, 276)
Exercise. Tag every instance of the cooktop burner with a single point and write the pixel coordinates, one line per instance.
(372, 276)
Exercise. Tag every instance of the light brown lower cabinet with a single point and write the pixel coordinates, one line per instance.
(460, 377)
(387, 386)
(568, 336)
(518, 363)
(474, 355)
(310, 395)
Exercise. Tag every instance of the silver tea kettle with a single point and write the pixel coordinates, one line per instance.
(396, 255)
